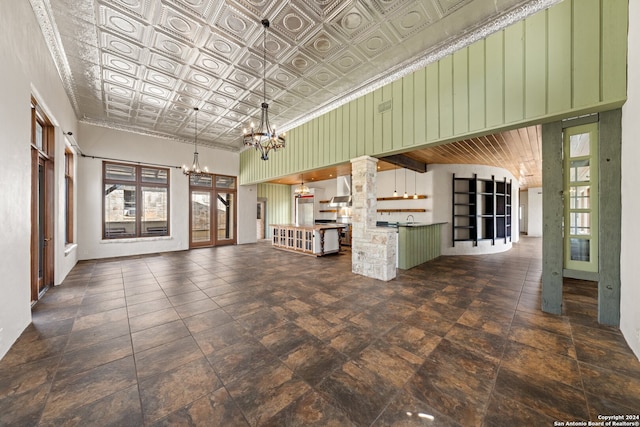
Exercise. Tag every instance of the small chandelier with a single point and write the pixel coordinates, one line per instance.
(301, 189)
(195, 167)
(263, 138)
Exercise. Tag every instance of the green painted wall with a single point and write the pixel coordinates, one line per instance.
(567, 60)
(278, 204)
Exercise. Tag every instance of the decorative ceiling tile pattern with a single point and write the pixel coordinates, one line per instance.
(142, 65)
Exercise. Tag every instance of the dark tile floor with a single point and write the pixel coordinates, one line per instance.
(249, 335)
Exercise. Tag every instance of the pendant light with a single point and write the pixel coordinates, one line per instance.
(395, 180)
(302, 189)
(405, 195)
(415, 189)
(263, 138)
(195, 168)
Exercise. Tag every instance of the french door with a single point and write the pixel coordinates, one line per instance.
(42, 255)
(212, 210)
(581, 197)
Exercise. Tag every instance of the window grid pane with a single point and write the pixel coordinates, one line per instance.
(154, 176)
(579, 145)
(226, 182)
(120, 172)
(119, 211)
(201, 181)
(154, 211)
(200, 216)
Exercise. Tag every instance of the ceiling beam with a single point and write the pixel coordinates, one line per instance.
(406, 162)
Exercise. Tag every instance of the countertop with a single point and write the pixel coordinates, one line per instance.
(406, 224)
(311, 227)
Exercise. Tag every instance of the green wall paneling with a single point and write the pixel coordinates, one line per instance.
(339, 134)
(353, 130)
(461, 91)
(320, 143)
(278, 204)
(417, 245)
(420, 106)
(477, 92)
(330, 132)
(494, 79)
(514, 73)
(614, 49)
(535, 29)
(344, 131)
(433, 102)
(387, 119)
(397, 114)
(446, 96)
(360, 126)
(369, 123)
(408, 119)
(586, 41)
(559, 58)
(377, 122)
(565, 61)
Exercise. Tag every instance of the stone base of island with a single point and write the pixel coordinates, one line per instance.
(318, 240)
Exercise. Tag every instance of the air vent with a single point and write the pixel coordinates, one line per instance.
(385, 106)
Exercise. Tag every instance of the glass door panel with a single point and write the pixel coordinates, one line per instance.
(225, 218)
(581, 198)
(200, 218)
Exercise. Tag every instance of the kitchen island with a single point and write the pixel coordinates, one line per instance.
(418, 242)
(318, 240)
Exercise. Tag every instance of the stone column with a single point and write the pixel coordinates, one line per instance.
(373, 250)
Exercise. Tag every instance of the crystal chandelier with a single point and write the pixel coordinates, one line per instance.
(263, 138)
(195, 167)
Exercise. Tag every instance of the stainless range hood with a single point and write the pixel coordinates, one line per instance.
(340, 201)
(343, 192)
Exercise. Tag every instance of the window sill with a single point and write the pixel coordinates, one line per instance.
(70, 248)
(136, 239)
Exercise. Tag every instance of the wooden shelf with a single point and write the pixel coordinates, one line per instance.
(401, 210)
(420, 196)
(324, 201)
(328, 210)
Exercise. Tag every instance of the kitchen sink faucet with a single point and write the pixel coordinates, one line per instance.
(412, 218)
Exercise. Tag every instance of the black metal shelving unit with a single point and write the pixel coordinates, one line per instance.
(481, 209)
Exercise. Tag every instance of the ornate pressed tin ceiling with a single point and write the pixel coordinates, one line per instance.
(142, 65)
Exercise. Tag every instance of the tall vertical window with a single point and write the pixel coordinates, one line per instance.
(136, 201)
(68, 196)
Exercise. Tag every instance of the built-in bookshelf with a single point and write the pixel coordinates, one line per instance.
(481, 209)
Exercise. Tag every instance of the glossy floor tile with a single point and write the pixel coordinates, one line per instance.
(253, 336)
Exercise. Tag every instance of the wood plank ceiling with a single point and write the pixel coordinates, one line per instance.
(518, 150)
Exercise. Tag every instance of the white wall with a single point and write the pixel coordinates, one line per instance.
(524, 202)
(420, 183)
(630, 292)
(27, 69)
(441, 176)
(534, 212)
(247, 213)
(125, 146)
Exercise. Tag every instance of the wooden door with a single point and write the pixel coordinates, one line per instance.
(41, 225)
